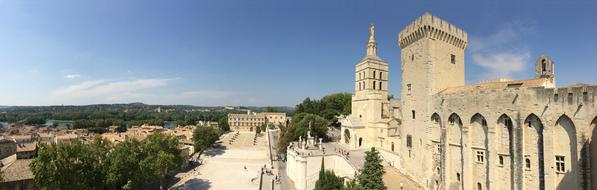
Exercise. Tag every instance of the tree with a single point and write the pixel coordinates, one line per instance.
(162, 155)
(124, 170)
(328, 179)
(299, 127)
(204, 137)
(352, 185)
(271, 109)
(121, 128)
(56, 165)
(329, 107)
(223, 124)
(258, 129)
(372, 175)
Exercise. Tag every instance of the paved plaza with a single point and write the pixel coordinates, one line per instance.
(224, 167)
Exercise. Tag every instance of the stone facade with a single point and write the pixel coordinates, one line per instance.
(251, 120)
(502, 134)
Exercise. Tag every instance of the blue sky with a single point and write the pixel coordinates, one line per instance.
(259, 52)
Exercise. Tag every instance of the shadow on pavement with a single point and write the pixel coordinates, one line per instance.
(214, 151)
(194, 184)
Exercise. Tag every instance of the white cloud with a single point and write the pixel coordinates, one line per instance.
(501, 54)
(502, 64)
(72, 76)
(139, 90)
(102, 91)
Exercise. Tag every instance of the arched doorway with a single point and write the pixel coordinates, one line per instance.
(504, 148)
(479, 150)
(532, 137)
(565, 153)
(346, 136)
(454, 152)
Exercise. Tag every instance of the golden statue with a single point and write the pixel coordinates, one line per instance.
(372, 32)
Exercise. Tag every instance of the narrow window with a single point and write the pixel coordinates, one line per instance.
(359, 75)
(392, 146)
(409, 141)
(480, 156)
(543, 67)
(373, 85)
(560, 166)
(479, 186)
(379, 85)
(408, 87)
(458, 176)
(484, 123)
(528, 163)
(452, 58)
(412, 57)
(380, 75)
(413, 111)
(374, 74)
(555, 97)
(501, 158)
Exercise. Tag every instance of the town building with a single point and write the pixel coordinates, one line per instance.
(252, 120)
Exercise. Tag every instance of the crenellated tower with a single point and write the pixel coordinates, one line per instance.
(432, 59)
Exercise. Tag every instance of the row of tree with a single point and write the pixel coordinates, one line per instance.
(370, 178)
(131, 164)
(329, 107)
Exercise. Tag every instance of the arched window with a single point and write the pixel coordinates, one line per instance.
(380, 75)
(479, 186)
(528, 163)
(379, 85)
(373, 85)
(373, 74)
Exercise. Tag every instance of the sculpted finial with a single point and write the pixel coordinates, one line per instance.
(372, 33)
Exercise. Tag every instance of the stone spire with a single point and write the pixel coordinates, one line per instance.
(372, 45)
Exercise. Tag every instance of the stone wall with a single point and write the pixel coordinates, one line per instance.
(518, 121)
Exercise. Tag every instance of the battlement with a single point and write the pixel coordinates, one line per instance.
(429, 26)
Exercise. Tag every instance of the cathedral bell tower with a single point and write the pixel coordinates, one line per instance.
(371, 83)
